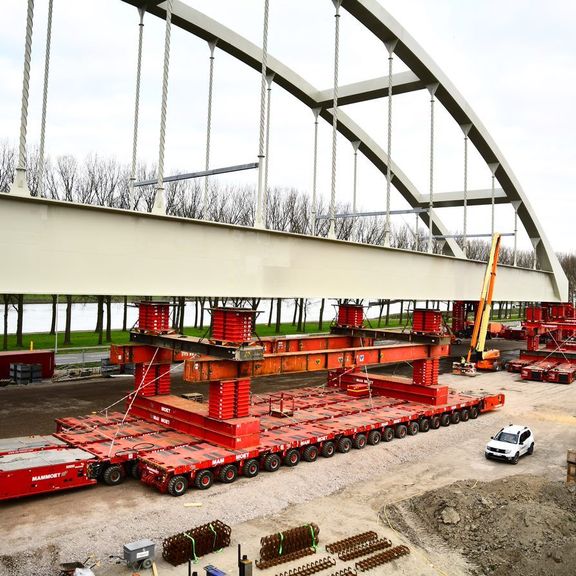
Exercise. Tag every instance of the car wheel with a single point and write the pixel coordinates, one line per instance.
(516, 458)
(531, 449)
(488, 457)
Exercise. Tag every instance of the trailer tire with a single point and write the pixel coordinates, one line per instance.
(177, 485)
(388, 434)
(464, 415)
(310, 453)
(455, 417)
(424, 425)
(435, 422)
(113, 475)
(374, 437)
(272, 462)
(360, 441)
(145, 564)
(474, 412)
(292, 458)
(228, 474)
(204, 479)
(344, 445)
(134, 471)
(401, 431)
(445, 419)
(251, 468)
(328, 450)
(413, 428)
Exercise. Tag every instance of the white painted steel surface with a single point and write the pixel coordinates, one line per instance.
(52, 247)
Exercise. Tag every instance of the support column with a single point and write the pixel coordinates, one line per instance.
(204, 207)
(131, 202)
(260, 218)
(432, 89)
(316, 112)
(390, 46)
(20, 186)
(535, 242)
(332, 230)
(159, 202)
(466, 129)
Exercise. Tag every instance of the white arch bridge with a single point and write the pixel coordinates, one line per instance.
(210, 258)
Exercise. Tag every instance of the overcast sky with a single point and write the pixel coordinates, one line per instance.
(514, 61)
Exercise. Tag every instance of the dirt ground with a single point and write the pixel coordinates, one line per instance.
(512, 519)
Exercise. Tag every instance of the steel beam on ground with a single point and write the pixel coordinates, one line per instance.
(54, 247)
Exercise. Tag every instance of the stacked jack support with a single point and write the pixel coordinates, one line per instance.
(229, 399)
(197, 542)
(350, 315)
(233, 325)
(288, 545)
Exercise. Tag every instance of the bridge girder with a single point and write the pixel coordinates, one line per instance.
(54, 247)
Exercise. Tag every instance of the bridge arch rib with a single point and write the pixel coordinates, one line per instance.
(424, 72)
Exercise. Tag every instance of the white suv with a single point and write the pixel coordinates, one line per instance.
(510, 443)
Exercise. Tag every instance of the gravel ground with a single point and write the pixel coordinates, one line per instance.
(344, 495)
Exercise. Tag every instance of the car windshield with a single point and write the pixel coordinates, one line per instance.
(507, 437)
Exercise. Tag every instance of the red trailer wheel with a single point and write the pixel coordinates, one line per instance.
(292, 458)
(272, 462)
(228, 474)
(374, 437)
(310, 453)
(413, 428)
(344, 445)
(401, 431)
(328, 449)
(424, 425)
(177, 485)
(464, 415)
(435, 422)
(204, 479)
(445, 419)
(251, 468)
(455, 417)
(360, 441)
(388, 434)
(113, 475)
(474, 412)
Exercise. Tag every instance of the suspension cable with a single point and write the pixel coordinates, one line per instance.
(20, 186)
(159, 204)
(466, 129)
(332, 230)
(432, 89)
(45, 101)
(131, 201)
(204, 208)
(260, 218)
(390, 46)
(269, 80)
(316, 112)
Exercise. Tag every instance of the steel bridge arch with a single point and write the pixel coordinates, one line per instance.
(423, 72)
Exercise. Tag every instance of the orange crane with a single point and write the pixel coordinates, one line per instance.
(478, 358)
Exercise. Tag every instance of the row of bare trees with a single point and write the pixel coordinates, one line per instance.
(104, 182)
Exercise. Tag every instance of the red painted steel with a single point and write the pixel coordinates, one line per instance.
(232, 325)
(538, 371)
(139, 354)
(458, 316)
(351, 315)
(425, 372)
(152, 379)
(427, 321)
(91, 421)
(154, 316)
(564, 373)
(43, 357)
(37, 472)
(207, 368)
